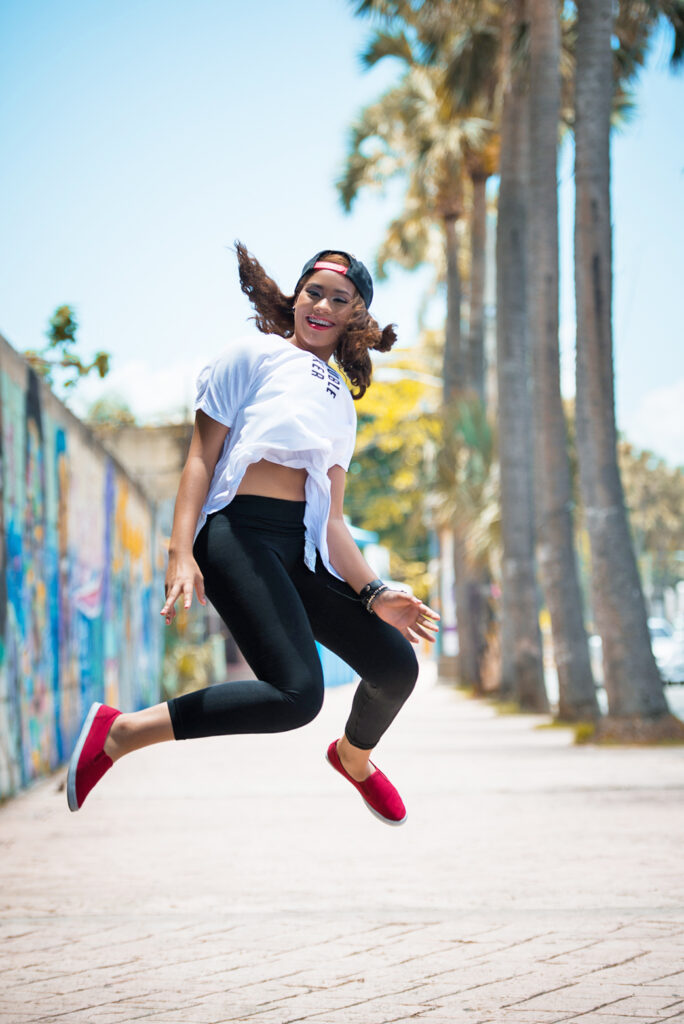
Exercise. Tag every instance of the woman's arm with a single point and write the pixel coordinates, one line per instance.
(183, 574)
(409, 615)
(345, 557)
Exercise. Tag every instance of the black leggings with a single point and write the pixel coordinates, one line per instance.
(251, 556)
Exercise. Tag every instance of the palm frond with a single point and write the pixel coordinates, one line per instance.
(465, 472)
(623, 110)
(387, 10)
(673, 12)
(373, 171)
(387, 44)
(376, 150)
(411, 239)
(471, 71)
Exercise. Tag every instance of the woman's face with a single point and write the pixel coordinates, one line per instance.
(321, 312)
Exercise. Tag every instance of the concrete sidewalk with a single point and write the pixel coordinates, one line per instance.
(241, 880)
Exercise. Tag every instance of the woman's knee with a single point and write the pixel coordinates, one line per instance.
(304, 703)
(409, 676)
(400, 674)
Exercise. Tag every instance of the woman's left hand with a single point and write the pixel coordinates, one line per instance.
(407, 614)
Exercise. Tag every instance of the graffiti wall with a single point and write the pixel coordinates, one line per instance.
(81, 574)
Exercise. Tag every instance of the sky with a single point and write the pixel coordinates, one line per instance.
(140, 139)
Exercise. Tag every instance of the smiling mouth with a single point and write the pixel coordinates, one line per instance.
(318, 323)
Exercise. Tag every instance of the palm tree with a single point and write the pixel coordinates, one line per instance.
(522, 675)
(577, 699)
(458, 44)
(555, 540)
(478, 50)
(407, 133)
(480, 167)
(634, 689)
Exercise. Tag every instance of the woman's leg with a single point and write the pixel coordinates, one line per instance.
(245, 558)
(247, 582)
(246, 579)
(138, 729)
(378, 652)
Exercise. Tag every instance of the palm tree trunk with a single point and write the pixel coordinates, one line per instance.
(555, 541)
(472, 658)
(453, 384)
(631, 677)
(453, 381)
(478, 230)
(522, 675)
(468, 621)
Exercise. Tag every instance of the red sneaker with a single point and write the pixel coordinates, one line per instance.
(379, 795)
(89, 762)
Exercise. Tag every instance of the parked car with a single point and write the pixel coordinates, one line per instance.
(667, 645)
(661, 638)
(672, 670)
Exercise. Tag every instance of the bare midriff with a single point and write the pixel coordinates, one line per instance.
(270, 480)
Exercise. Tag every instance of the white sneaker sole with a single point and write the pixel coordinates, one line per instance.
(376, 814)
(73, 763)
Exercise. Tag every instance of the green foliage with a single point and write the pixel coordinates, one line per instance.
(466, 481)
(110, 411)
(411, 134)
(419, 467)
(58, 356)
(506, 707)
(187, 667)
(387, 44)
(634, 28)
(388, 484)
(63, 327)
(654, 496)
(584, 732)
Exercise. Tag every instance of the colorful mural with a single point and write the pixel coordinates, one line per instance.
(80, 580)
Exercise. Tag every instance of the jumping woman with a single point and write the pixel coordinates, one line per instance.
(258, 528)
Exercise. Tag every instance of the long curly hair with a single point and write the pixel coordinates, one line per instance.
(275, 315)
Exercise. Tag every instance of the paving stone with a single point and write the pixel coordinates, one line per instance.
(643, 1004)
(236, 881)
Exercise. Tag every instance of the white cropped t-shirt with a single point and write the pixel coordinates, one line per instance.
(285, 405)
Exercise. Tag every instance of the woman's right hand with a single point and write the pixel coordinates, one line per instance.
(182, 577)
(183, 574)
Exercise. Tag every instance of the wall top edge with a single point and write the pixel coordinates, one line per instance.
(17, 367)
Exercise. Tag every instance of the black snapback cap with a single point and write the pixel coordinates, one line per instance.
(356, 272)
